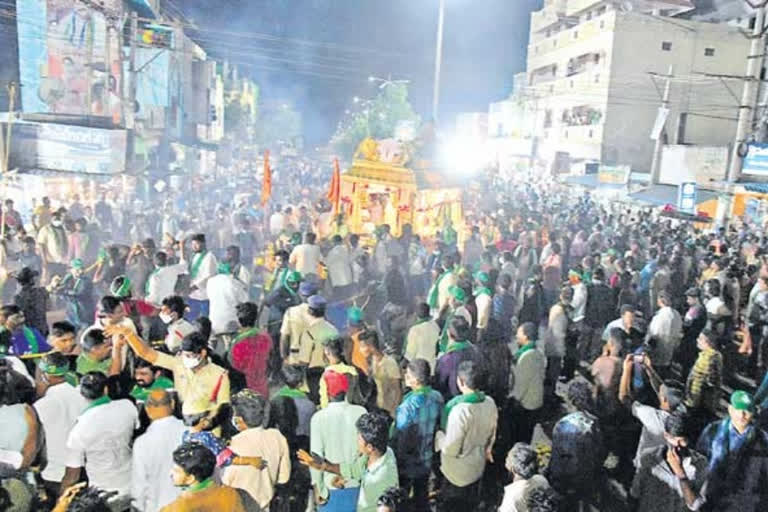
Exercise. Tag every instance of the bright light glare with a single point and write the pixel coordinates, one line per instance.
(356, 99)
(371, 78)
(462, 156)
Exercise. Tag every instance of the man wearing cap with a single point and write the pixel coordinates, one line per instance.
(333, 436)
(694, 321)
(33, 300)
(280, 300)
(202, 385)
(738, 459)
(339, 263)
(483, 300)
(224, 294)
(456, 308)
(58, 407)
(311, 341)
(294, 323)
(202, 267)
(459, 349)
(77, 290)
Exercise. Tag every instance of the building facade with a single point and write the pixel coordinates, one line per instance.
(597, 71)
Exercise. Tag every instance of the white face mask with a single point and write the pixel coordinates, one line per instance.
(56, 223)
(165, 318)
(190, 362)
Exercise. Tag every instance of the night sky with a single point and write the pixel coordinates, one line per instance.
(318, 54)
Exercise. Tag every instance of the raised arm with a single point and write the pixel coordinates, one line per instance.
(139, 346)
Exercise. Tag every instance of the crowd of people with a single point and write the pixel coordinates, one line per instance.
(553, 353)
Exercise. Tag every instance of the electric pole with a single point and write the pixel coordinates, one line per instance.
(130, 110)
(749, 94)
(7, 154)
(438, 62)
(656, 162)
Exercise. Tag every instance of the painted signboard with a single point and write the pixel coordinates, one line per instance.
(68, 148)
(756, 160)
(64, 46)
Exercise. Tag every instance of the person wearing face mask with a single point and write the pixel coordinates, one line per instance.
(54, 247)
(172, 315)
(202, 385)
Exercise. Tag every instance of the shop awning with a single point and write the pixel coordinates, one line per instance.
(660, 195)
(48, 173)
(755, 186)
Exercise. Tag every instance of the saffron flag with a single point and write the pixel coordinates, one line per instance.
(266, 184)
(334, 192)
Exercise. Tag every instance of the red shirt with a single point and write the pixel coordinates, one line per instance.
(250, 356)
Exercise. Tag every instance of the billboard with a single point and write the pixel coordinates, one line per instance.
(614, 174)
(68, 62)
(756, 160)
(702, 164)
(68, 148)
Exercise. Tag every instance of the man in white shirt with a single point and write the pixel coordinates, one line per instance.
(465, 440)
(483, 300)
(522, 463)
(295, 322)
(667, 328)
(422, 338)
(100, 441)
(225, 293)
(529, 372)
(306, 257)
(172, 315)
(202, 267)
(276, 222)
(162, 281)
(151, 489)
(58, 408)
(339, 263)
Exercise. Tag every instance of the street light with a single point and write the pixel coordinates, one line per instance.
(386, 82)
(438, 61)
(356, 99)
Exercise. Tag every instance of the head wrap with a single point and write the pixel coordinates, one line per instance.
(483, 277)
(458, 293)
(123, 289)
(355, 316)
(293, 277)
(742, 401)
(336, 383)
(50, 369)
(77, 264)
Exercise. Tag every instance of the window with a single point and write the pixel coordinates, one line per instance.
(549, 32)
(590, 134)
(601, 11)
(575, 34)
(589, 15)
(554, 42)
(666, 46)
(535, 49)
(571, 84)
(551, 88)
(709, 52)
(597, 78)
(565, 133)
(602, 23)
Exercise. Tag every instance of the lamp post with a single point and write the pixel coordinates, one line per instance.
(438, 61)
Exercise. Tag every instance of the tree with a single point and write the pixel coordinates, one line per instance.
(377, 118)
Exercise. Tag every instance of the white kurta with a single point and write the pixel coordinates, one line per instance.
(206, 270)
(225, 293)
(339, 266)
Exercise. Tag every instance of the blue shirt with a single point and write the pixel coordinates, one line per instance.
(416, 420)
(21, 345)
(646, 275)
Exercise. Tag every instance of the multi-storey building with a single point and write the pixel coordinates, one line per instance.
(597, 72)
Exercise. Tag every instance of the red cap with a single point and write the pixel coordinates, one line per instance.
(336, 383)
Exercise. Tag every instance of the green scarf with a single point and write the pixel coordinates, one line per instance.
(424, 390)
(196, 262)
(29, 335)
(434, 293)
(483, 291)
(457, 346)
(200, 486)
(475, 397)
(443, 345)
(253, 331)
(278, 279)
(141, 394)
(291, 393)
(99, 401)
(525, 348)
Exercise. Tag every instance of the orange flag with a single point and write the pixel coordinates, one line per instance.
(266, 184)
(334, 192)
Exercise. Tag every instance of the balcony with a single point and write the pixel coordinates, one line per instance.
(583, 115)
(576, 6)
(591, 36)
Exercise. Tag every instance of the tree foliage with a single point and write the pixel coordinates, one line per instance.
(377, 118)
